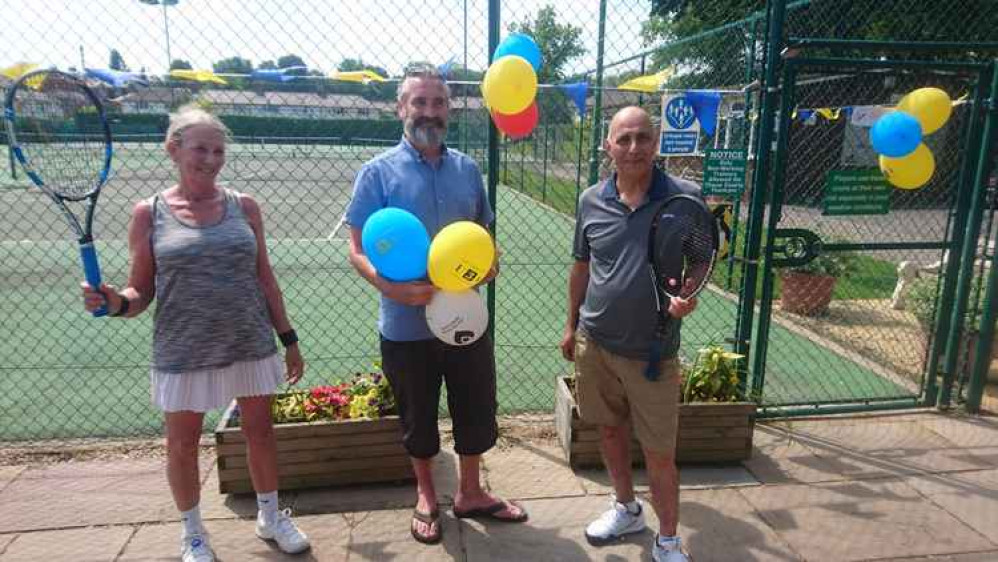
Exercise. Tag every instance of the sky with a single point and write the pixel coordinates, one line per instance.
(388, 33)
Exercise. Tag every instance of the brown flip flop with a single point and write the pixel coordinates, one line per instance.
(428, 518)
(493, 512)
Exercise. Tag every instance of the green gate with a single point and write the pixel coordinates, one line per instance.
(898, 263)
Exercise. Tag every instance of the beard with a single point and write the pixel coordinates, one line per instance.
(426, 131)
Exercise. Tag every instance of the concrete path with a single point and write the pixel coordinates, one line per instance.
(915, 486)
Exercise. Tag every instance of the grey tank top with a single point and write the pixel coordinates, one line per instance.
(210, 309)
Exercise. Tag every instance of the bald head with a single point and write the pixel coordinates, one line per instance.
(630, 117)
(631, 144)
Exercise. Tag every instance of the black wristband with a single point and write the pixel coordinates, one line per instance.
(123, 308)
(288, 338)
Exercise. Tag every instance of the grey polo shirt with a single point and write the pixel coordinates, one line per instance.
(619, 310)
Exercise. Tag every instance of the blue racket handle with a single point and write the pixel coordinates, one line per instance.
(91, 270)
(654, 358)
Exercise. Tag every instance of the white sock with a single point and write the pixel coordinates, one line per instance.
(192, 521)
(669, 543)
(267, 503)
(633, 507)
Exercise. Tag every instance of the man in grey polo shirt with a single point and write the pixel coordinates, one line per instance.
(440, 186)
(611, 320)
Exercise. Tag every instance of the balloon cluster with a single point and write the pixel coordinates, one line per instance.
(459, 258)
(897, 136)
(510, 85)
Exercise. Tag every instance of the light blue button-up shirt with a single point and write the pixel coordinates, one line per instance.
(449, 191)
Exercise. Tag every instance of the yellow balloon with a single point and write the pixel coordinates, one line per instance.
(910, 171)
(461, 255)
(931, 106)
(510, 85)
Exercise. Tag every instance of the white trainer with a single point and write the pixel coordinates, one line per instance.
(195, 548)
(615, 523)
(668, 550)
(284, 532)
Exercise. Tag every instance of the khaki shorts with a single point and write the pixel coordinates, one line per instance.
(613, 390)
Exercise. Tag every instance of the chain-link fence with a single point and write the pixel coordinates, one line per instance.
(308, 90)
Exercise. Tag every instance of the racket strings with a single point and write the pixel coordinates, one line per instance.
(60, 135)
(685, 245)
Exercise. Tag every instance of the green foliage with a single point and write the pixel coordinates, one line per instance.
(233, 65)
(291, 60)
(347, 65)
(559, 43)
(713, 377)
(180, 64)
(920, 300)
(366, 396)
(834, 264)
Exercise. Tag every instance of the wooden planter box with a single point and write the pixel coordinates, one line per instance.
(315, 454)
(708, 432)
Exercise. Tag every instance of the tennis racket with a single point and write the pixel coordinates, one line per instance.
(59, 133)
(682, 244)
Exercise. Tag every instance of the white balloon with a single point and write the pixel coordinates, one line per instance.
(457, 317)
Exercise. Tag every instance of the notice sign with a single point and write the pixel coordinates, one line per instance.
(724, 173)
(857, 192)
(680, 128)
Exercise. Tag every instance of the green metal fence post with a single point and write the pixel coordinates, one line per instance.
(493, 163)
(775, 210)
(954, 294)
(598, 100)
(982, 357)
(760, 180)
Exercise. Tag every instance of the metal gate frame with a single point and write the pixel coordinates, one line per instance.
(961, 240)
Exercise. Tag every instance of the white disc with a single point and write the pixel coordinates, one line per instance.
(457, 317)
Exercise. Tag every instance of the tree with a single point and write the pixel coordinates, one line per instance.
(347, 65)
(559, 43)
(233, 65)
(292, 60)
(117, 62)
(267, 65)
(180, 64)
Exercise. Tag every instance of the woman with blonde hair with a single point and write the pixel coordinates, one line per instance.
(198, 250)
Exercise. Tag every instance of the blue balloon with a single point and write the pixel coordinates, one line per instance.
(397, 244)
(896, 134)
(520, 45)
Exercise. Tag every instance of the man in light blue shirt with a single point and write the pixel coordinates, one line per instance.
(440, 186)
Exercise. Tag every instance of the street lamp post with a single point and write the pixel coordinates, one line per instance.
(166, 25)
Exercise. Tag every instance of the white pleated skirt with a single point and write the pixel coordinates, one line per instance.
(213, 389)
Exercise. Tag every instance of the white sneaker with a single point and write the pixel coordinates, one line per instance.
(615, 523)
(668, 550)
(195, 548)
(284, 532)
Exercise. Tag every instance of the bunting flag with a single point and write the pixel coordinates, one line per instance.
(197, 76)
(444, 69)
(830, 113)
(705, 104)
(17, 70)
(116, 78)
(649, 84)
(276, 74)
(360, 76)
(577, 91)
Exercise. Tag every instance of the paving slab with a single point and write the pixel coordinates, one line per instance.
(990, 556)
(72, 545)
(530, 470)
(881, 448)
(385, 535)
(8, 474)
(971, 497)
(6, 540)
(86, 493)
(975, 436)
(234, 540)
(843, 521)
(555, 532)
(779, 458)
(721, 526)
